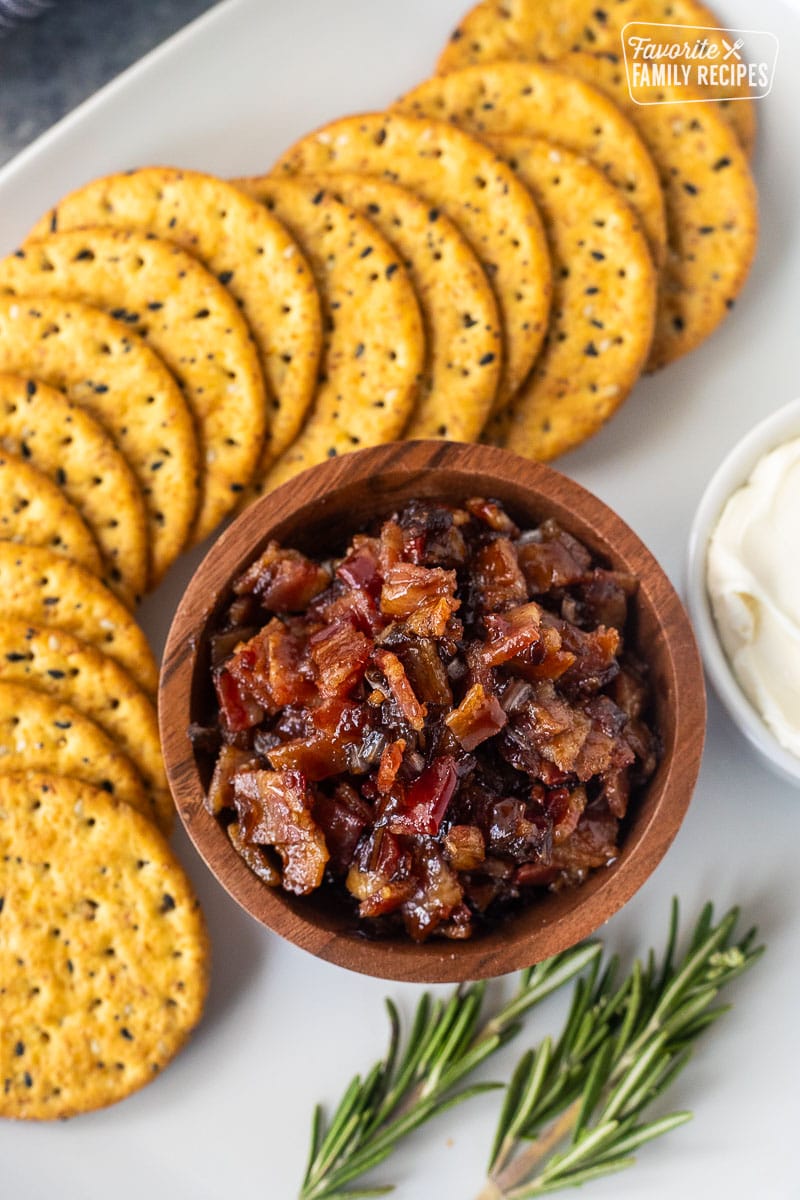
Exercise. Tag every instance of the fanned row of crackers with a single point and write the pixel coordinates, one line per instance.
(103, 948)
(498, 256)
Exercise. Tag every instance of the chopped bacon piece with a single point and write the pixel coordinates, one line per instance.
(553, 559)
(237, 709)
(378, 877)
(435, 898)
(600, 599)
(401, 689)
(616, 791)
(498, 581)
(340, 654)
(254, 856)
(406, 586)
(271, 668)
(479, 716)
(492, 514)
(592, 845)
(318, 757)
(565, 807)
(360, 568)
(274, 809)
(391, 759)
(283, 580)
(390, 546)
(220, 791)
(511, 632)
(433, 618)
(427, 799)
(464, 847)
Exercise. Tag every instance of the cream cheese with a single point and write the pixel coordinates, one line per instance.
(753, 580)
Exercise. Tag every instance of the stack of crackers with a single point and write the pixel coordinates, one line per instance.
(498, 256)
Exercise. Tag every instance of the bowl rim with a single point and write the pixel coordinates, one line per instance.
(733, 471)
(607, 890)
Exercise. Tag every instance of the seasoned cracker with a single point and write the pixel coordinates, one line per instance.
(35, 511)
(711, 206)
(537, 100)
(188, 317)
(374, 344)
(39, 733)
(76, 673)
(67, 445)
(462, 324)
(547, 29)
(42, 587)
(248, 250)
(103, 949)
(461, 177)
(604, 303)
(108, 370)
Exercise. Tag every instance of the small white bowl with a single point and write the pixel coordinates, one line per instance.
(734, 471)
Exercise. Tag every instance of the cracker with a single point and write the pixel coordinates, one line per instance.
(76, 673)
(537, 100)
(39, 733)
(35, 511)
(103, 949)
(710, 200)
(461, 177)
(374, 344)
(462, 324)
(42, 587)
(547, 29)
(188, 318)
(604, 302)
(248, 250)
(67, 445)
(107, 369)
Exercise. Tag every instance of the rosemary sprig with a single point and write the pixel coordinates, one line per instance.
(420, 1075)
(574, 1109)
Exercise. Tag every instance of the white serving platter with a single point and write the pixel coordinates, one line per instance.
(230, 1118)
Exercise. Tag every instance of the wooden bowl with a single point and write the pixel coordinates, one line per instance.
(317, 512)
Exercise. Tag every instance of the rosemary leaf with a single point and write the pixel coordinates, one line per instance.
(617, 1053)
(420, 1079)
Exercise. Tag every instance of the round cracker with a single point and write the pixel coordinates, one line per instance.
(42, 587)
(604, 303)
(710, 201)
(67, 445)
(462, 324)
(40, 733)
(461, 177)
(537, 100)
(35, 511)
(72, 671)
(108, 370)
(103, 949)
(188, 318)
(248, 250)
(547, 29)
(374, 344)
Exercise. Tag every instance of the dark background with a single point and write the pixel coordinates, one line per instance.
(50, 64)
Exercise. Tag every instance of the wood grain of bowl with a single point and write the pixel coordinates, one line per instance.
(317, 512)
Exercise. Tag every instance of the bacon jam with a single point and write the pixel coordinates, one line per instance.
(437, 725)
